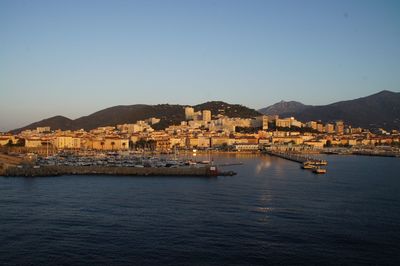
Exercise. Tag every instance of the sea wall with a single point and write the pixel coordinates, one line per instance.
(98, 170)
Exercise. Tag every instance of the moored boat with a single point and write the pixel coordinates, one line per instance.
(307, 166)
(318, 170)
(320, 162)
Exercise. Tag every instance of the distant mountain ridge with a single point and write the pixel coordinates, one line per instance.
(377, 110)
(283, 107)
(122, 114)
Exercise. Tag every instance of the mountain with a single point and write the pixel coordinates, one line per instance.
(283, 107)
(169, 115)
(58, 122)
(378, 110)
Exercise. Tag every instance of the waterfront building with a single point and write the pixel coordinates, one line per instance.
(33, 142)
(67, 142)
(297, 140)
(116, 143)
(192, 142)
(109, 143)
(219, 141)
(316, 144)
(179, 142)
(246, 147)
(204, 142)
(162, 140)
(163, 143)
(348, 142)
(96, 143)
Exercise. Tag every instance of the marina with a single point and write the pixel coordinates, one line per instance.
(108, 164)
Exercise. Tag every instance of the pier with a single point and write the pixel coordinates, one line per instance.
(298, 158)
(307, 162)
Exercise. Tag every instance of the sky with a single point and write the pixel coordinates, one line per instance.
(73, 58)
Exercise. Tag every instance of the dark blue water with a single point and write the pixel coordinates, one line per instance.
(272, 212)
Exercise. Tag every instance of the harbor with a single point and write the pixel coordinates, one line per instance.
(107, 164)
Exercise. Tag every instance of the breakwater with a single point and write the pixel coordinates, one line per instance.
(206, 171)
(299, 158)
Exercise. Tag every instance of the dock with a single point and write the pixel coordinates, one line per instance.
(229, 164)
(298, 158)
(307, 162)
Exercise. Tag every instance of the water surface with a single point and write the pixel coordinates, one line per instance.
(272, 212)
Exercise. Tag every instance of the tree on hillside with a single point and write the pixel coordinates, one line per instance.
(20, 143)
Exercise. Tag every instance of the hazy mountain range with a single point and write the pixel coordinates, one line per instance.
(378, 110)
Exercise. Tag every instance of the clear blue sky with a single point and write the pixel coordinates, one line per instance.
(73, 58)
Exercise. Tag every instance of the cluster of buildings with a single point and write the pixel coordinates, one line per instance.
(202, 130)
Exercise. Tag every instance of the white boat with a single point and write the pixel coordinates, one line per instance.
(307, 166)
(318, 170)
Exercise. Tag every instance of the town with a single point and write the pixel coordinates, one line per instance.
(204, 131)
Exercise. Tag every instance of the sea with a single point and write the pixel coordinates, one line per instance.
(270, 213)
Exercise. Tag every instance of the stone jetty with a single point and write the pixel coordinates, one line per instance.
(205, 171)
